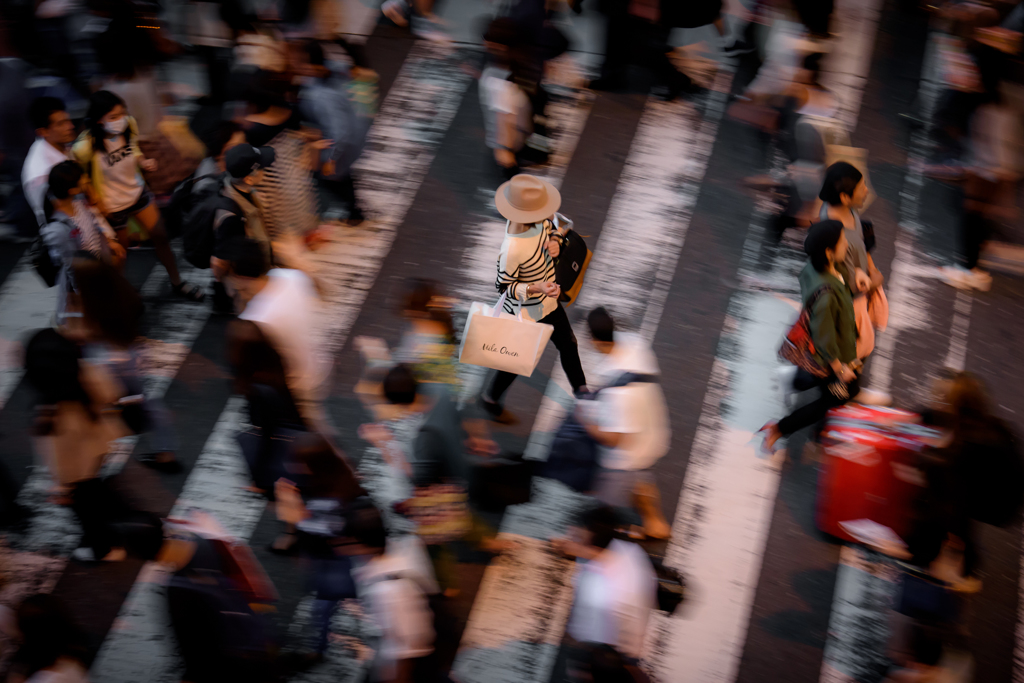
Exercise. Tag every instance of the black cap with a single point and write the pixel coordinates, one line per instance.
(242, 160)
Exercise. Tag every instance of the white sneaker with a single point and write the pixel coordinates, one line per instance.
(955, 276)
(980, 279)
(84, 554)
(870, 397)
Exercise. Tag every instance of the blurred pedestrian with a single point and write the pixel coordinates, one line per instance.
(614, 588)
(436, 464)
(76, 420)
(53, 647)
(825, 293)
(284, 304)
(526, 273)
(55, 131)
(325, 103)
(394, 601)
(237, 211)
(73, 226)
(508, 115)
(112, 312)
(108, 151)
(290, 205)
(629, 420)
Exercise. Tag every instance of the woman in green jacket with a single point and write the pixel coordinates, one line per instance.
(109, 153)
(825, 291)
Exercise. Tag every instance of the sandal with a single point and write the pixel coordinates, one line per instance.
(188, 291)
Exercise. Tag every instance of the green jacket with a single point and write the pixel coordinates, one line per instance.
(833, 325)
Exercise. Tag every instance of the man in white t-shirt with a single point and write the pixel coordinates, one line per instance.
(616, 588)
(629, 420)
(54, 134)
(284, 304)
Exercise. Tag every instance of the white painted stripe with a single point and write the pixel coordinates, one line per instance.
(412, 121)
(26, 304)
(851, 645)
(956, 359)
(523, 603)
(728, 494)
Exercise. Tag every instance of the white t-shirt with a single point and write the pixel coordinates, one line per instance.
(285, 310)
(35, 174)
(396, 604)
(637, 410)
(498, 95)
(615, 594)
(122, 184)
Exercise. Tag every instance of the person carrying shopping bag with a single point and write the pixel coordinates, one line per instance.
(526, 273)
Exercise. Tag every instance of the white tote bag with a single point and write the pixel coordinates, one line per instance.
(501, 341)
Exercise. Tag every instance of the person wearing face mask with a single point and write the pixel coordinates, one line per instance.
(238, 211)
(72, 226)
(108, 150)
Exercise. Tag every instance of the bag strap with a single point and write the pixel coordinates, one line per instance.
(815, 295)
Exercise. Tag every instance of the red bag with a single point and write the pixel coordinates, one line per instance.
(798, 346)
(239, 564)
(864, 448)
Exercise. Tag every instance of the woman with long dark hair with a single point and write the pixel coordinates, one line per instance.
(109, 152)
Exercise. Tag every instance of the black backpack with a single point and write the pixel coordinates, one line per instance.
(198, 234)
(183, 199)
(39, 253)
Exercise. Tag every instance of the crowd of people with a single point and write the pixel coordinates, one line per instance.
(289, 106)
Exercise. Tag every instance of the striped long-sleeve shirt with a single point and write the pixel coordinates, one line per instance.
(524, 260)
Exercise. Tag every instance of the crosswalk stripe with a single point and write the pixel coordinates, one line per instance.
(855, 643)
(412, 121)
(27, 304)
(728, 493)
(523, 603)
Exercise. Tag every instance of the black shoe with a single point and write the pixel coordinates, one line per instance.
(222, 301)
(738, 47)
(607, 83)
(165, 466)
(498, 413)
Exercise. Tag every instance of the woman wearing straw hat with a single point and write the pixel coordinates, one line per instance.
(526, 270)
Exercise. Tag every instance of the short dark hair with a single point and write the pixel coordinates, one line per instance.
(246, 257)
(63, 178)
(42, 108)
(217, 137)
(840, 178)
(601, 324)
(314, 52)
(821, 237)
(400, 385)
(365, 525)
(602, 521)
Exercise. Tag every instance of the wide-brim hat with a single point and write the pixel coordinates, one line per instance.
(527, 199)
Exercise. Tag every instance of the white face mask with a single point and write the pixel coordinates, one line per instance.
(116, 127)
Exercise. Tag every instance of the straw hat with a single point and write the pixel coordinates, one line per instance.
(527, 199)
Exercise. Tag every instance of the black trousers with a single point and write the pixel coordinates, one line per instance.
(631, 40)
(975, 230)
(345, 189)
(98, 508)
(568, 353)
(814, 412)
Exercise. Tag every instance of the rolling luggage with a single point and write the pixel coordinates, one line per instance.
(864, 450)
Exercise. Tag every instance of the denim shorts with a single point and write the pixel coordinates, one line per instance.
(119, 219)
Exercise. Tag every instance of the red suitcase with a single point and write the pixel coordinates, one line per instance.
(857, 479)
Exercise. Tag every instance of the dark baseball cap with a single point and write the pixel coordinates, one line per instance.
(242, 160)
